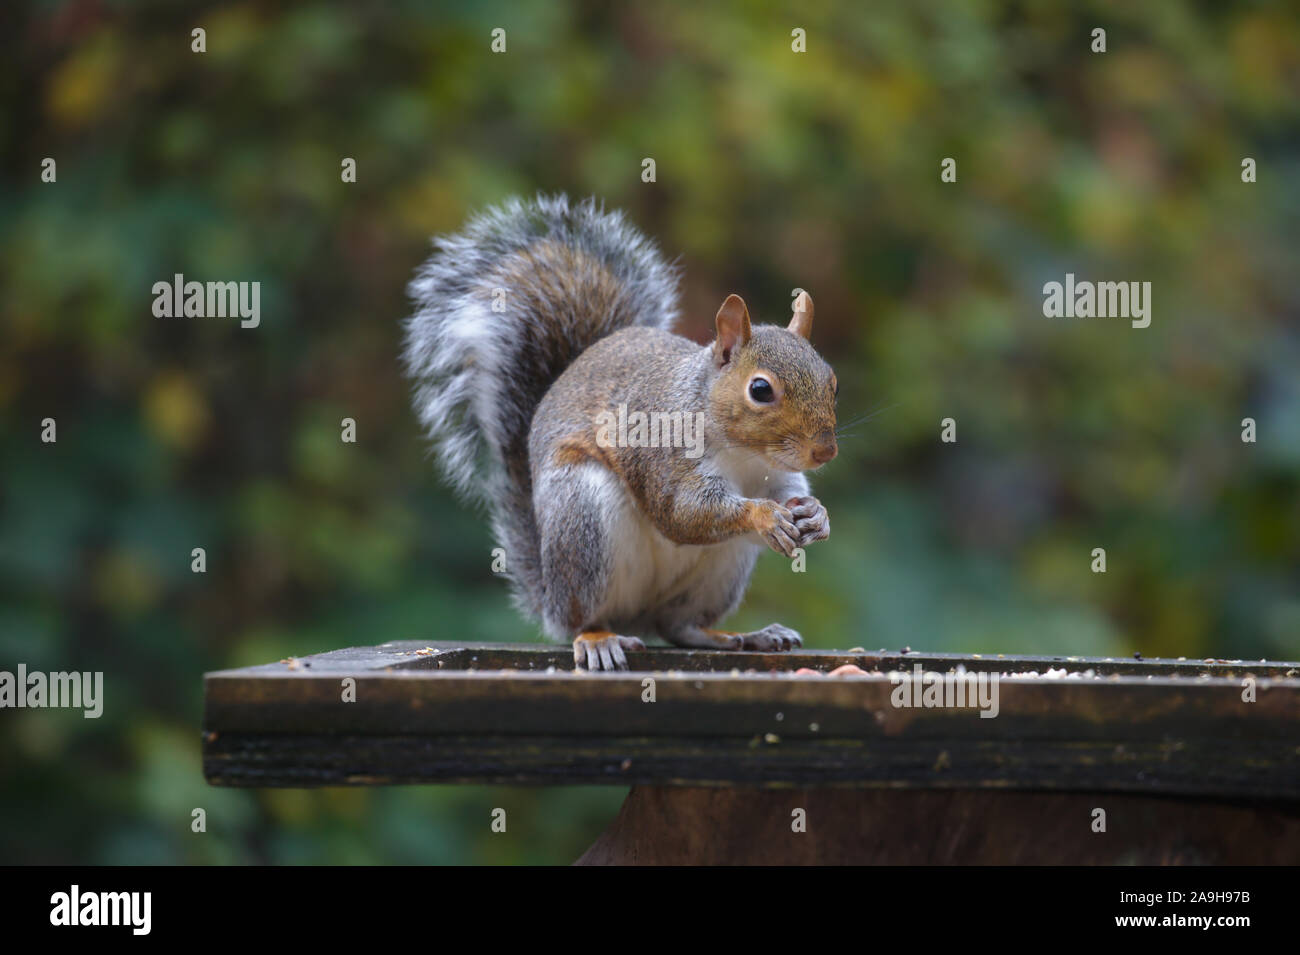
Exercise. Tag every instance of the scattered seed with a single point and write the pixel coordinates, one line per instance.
(848, 669)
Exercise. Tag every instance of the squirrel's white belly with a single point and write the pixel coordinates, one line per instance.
(655, 580)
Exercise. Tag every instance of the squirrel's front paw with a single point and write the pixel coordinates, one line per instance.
(602, 650)
(810, 520)
(776, 524)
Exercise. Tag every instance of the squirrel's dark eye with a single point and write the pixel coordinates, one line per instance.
(760, 389)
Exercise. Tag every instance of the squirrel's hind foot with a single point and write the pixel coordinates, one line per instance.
(773, 638)
(602, 650)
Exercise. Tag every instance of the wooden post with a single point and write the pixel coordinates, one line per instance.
(663, 825)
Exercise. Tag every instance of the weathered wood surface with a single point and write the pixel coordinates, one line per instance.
(661, 825)
(519, 714)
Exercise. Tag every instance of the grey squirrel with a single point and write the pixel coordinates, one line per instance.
(537, 326)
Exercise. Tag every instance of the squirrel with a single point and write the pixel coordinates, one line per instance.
(535, 330)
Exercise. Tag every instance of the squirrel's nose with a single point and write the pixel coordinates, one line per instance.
(824, 452)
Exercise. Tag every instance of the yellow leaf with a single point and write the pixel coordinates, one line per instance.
(175, 410)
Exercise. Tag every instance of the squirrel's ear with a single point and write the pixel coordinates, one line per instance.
(733, 329)
(801, 323)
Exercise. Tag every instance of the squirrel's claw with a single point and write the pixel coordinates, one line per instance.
(772, 638)
(810, 520)
(782, 536)
(602, 650)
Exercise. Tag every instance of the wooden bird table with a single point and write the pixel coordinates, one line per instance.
(736, 758)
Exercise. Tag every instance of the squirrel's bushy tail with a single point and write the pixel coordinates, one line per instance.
(502, 308)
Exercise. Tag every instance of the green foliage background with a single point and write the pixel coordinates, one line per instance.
(775, 170)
